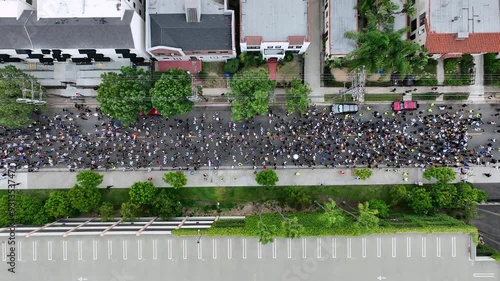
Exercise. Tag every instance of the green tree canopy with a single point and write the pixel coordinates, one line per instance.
(266, 233)
(380, 206)
(293, 229)
(297, 198)
(166, 205)
(421, 201)
(467, 194)
(142, 193)
(58, 205)
(333, 216)
(363, 173)
(175, 179)
(12, 82)
(297, 97)
(89, 178)
(107, 211)
(169, 94)
(398, 194)
(84, 198)
(25, 210)
(441, 174)
(367, 219)
(129, 211)
(267, 178)
(231, 66)
(123, 95)
(444, 195)
(250, 91)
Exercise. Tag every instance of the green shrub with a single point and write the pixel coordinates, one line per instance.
(288, 57)
(380, 206)
(297, 198)
(231, 66)
(450, 65)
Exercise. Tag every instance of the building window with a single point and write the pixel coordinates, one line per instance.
(224, 52)
(253, 47)
(212, 52)
(413, 37)
(140, 12)
(134, 5)
(413, 25)
(140, 1)
(298, 47)
(277, 47)
(422, 19)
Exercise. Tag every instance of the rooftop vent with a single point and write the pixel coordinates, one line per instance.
(193, 10)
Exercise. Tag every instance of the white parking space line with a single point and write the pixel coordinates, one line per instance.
(244, 241)
(125, 250)
(94, 249)
(408, 247)
(363, 247)
(139, 249)
(379, 247)
(424, 247)
(35, 256)
(80, 250)
(318, 247)
(4, 251)
(259, 250)
(155, 249)
(349, 248)
(393, 239)
(304, 248)
(184, 249)
(438, 247)
(20, 251)
(200, 249)
(49, 250)
(65, 250)
(169, 249)
(229, 248)
(214, 249)
(484, 275)
(110, 249)
(289, 247)
(453, 247)
(334, 248)
(275, 242)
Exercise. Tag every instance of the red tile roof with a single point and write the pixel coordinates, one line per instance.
(296, 40)
(193, 66)
(440, 43)
(253, 40)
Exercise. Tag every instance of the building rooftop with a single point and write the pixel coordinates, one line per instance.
(343, 18)
(213, 32)
(80, 8)
(477, 43)
(400, 21)
(274, 20)
(464, 16)
(13, 8)
(66, 33)
(177, 6)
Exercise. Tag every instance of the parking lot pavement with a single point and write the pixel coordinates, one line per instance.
(128, 258)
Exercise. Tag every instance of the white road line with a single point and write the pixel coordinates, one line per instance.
(184, 249)
(304, 248)
(229, 248)
(214, 249)
(318, 247)
(334, 248)
(259, 250)
(438, 247)
(424, 247)
(65, 249)
(275, 242)
(110, 249)
(349, 248)
(80, 250)
(453, 247)
(393, 240)
(379, 247)
(35, 248)
(408, 247)
(289, 247)
(200, 250)
(244, 241)
(484, 275)
(139, 249)
(94, 249)
(4, 251)
(169, 249)
(363, 247)
(155, 249)
(125, 250)
(49, 250)
(20, 251)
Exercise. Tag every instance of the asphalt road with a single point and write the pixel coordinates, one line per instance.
(409, 257)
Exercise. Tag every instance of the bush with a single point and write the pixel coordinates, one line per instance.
(142, 192)
(231, 66)
(363, 173)
(58, 205)
(84, 198)
(107, 211)
(175, 179)
(380, 206)
(297, 198)
(267, 178)
(421, 202)
(288, 57)
(450, 66)
(398, 194)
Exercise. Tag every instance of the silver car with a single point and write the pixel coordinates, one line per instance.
(338, 108)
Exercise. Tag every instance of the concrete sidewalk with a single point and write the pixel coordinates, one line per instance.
(61, 178)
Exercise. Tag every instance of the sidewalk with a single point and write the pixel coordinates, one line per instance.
(61, 178)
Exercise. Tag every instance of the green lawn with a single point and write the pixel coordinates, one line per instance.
(338, 98)
(425, 96)
(383, 97)
(456, 96)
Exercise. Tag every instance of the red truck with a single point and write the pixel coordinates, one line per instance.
(404, 105)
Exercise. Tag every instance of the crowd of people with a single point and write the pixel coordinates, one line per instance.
(84, 138)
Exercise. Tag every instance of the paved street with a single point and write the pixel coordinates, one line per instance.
(128, 258)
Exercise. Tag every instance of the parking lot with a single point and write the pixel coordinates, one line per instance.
(128, 258)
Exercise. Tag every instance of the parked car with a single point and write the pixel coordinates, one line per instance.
(404, 105)
(345, 108)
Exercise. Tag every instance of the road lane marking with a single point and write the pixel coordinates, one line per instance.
(289, 247)
(20, 257)
(379, 247)
(155, 249)
(94, 249)
(244, 241)
(139, 249)
(169, 249)
(424, 247)
(35, 256)
(393, 240)
(484, 275)
(348, 248)
(408, 247)
(214, 249)
(229, 248)
(318, 247)
(259, 250)
(438, 247)
(80, 250)
(275, 242)
(65, 249)
(184, 249)
(304, 248)
(363, 247)
(453, 247)
(4, 251)
(49, 250)
(200, 249)
(110, 249)
(334, 248)
(125, 250)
